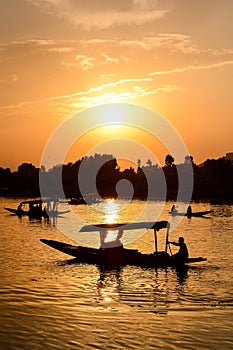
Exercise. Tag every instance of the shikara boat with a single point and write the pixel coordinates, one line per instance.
(191, 214)
(76, 201)
(114, 254)
(37, 209)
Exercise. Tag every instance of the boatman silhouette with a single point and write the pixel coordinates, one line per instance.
(182, 255)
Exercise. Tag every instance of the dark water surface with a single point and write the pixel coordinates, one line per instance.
(48, 302)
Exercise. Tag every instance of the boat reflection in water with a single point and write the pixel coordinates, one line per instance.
(109, 285)
(115, 288)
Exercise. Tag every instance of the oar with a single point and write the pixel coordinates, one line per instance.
(170, 248)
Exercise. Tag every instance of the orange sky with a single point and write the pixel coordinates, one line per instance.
(58, 58)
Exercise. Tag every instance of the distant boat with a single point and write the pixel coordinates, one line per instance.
(89, 199)
(191, 214)
(77, 201)
(110, 255)
(37, 209)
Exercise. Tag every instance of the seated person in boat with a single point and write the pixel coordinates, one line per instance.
(182, 254)
(189, 210)
(109, 239)
(35, 209)
(19, 207)
(173, 209)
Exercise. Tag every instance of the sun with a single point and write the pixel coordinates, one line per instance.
(113, 114)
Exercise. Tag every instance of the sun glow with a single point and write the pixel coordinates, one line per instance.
(105, 98)
(116, 133)
(112, 131)
(111, 112)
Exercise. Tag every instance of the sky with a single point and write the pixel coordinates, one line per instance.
(60, 57)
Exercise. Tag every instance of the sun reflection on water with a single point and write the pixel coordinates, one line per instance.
(109, 286)
(111, 216)
(111, 211)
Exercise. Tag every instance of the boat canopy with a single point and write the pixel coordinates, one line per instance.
(160, 224)
(126, 226)
(121, 227)
(39, 201)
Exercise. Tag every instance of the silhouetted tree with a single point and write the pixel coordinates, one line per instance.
(188, 160)
(107, 178)
(26, 169)
(169, 160)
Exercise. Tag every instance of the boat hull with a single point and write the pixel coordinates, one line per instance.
(195, 214)
(43, 214)
(117, 256)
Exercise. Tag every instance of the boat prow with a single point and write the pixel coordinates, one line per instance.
(194, 260)
(11, 210)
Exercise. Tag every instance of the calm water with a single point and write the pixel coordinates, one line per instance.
(49, 303)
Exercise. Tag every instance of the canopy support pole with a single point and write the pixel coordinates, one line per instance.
(156, 243)
(167, 237)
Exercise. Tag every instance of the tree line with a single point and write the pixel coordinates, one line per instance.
(213, 179)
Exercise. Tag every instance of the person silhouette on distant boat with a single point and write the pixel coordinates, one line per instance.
(189, 210)
(182, 255)
(174, 209)
(19, 207)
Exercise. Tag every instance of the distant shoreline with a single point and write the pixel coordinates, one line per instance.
(212, 181)
(172, 200)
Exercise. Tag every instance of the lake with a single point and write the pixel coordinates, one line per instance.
(48, 302)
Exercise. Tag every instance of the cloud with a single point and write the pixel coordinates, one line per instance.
(88, 62)
(99, 70)
(133, 88)
(106, 93)
(117, 91)
(192, 67)
(103, 14)
(174, 42)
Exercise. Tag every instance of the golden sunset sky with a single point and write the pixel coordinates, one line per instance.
(60, 57)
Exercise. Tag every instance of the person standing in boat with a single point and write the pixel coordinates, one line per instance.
(182, 255)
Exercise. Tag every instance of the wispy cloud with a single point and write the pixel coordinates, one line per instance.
(105, 13)
(191, 67)
(117, 91)
(171, 40)
(174, 42)
(89, 62)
